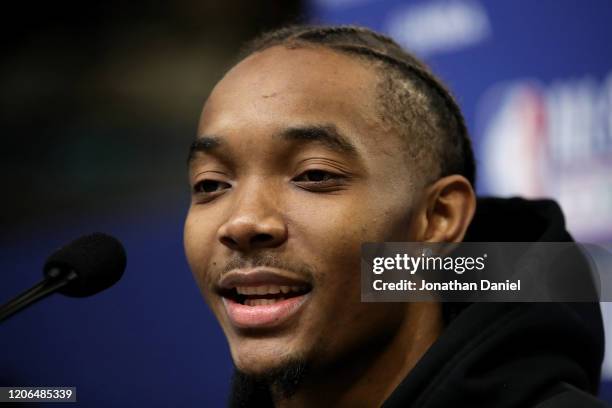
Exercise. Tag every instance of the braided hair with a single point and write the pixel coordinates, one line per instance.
(412, 99)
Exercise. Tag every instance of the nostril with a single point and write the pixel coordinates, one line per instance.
(229, 242)
(255, 241)
(261, 239)
(250, 237)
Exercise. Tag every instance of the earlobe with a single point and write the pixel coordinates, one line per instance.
(449, 206)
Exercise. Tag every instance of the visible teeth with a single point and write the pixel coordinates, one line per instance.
(246, 290)
(267, 289)
(259, 302)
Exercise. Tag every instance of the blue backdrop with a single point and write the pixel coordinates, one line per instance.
(534, 81)
(148, 341)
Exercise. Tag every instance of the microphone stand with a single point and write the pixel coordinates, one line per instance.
(56, 279)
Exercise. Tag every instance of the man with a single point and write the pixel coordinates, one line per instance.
(321, 139)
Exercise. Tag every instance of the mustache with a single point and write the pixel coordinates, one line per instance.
(270, 260)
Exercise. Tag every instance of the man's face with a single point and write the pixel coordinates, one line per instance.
(293, 172)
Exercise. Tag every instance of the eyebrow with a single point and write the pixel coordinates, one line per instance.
(204, 144)
(327, 135)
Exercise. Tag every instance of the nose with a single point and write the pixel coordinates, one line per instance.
(255, 223)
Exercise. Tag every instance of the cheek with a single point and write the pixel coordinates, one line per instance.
(198, 237)
(332, 236)
(334, 230)
(327, 235)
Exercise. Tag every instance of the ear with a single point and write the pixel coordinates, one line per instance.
(445, 210)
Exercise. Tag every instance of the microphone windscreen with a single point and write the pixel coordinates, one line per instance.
(98, 260)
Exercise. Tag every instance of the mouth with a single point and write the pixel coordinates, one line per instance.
(263, 294)
(262, 299)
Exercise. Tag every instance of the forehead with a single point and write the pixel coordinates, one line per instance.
(281, 87)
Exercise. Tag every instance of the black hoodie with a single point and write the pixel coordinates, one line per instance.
(503, 355)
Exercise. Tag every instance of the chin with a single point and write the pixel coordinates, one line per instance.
(255, 365)
(258, 359)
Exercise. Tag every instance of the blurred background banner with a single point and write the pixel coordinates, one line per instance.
(100, 101)
(534, 80)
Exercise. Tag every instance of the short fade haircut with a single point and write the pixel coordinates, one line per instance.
(412, 99)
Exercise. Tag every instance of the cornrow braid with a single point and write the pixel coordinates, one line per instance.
(462, 140)
(414, 100)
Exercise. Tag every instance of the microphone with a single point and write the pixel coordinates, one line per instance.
(81, 268)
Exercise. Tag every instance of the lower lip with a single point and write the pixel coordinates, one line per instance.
(263, 316)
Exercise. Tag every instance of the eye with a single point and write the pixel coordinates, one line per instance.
(316, 176)
(319, 180)
(210, 186)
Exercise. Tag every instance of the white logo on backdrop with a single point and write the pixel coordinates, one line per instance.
(439, 26)
(552, 141)
(334, 4)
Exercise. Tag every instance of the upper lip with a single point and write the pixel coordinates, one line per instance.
(259, 276)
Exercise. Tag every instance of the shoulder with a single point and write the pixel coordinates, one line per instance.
(571, 397)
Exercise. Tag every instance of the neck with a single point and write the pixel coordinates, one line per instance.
(368, 377)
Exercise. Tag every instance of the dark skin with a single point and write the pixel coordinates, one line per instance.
(295, 163)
